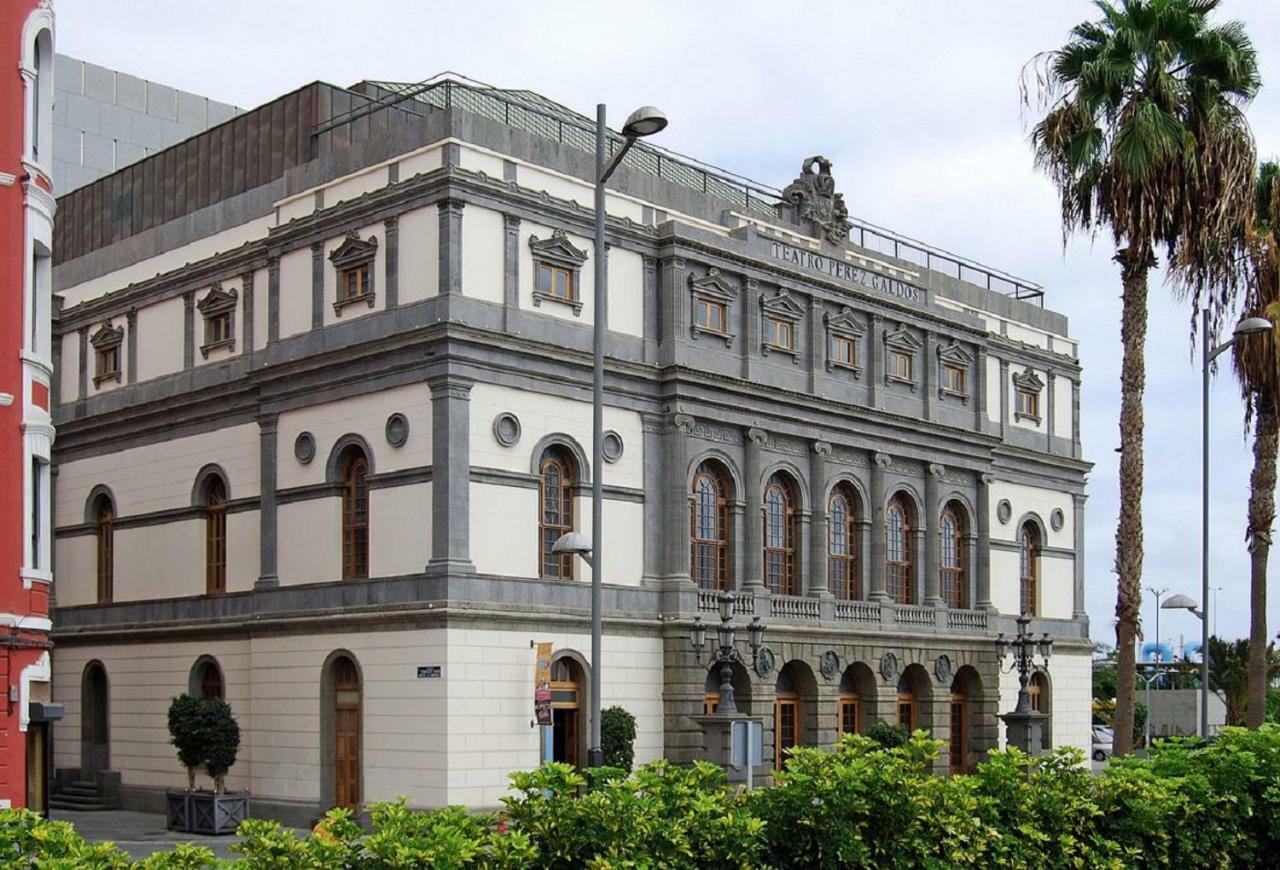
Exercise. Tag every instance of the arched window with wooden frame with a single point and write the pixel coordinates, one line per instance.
(215, 536)
(709, 527)
(780, 536)
(844, 577)
(908, 709)
(1042, 702)
(899, 551)
(104, 515)
(1029, 569)
(954, 564)
(354, 471)
(556, 476)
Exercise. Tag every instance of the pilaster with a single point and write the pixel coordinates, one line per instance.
(817, 357)
(875, 574)
(267, 431)
(875, 360)
(754, 497)
(1077, 519)
(1048, 411)
(1004, 397)
(510, 270)
(983, 601)
(246, 316)
(933, 539)
(317, 285)
(131, 347)
(675, 497)
(188, 329)
(652, 323)
(391, 293)
(451, 246)
(273, 299)
(83, 384)
(451, 475)
(673, 308)
(819, 585)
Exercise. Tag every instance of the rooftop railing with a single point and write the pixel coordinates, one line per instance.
(524, 110)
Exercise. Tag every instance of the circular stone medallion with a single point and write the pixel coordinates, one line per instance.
(612, 446)
(397, 429)
(1004, 510)
(304, 447)
(506, 429)
(1057, 519)
(888, 666)
(829, 664)
(765, 661)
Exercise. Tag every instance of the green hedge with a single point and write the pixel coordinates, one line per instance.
(860, 806)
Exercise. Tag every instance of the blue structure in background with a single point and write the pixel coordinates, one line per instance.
(1166, 651)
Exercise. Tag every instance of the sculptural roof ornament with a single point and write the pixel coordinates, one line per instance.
(812, 198)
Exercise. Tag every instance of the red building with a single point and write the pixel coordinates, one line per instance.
(26, 373)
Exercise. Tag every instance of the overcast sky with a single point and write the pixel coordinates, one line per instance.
(915, 102)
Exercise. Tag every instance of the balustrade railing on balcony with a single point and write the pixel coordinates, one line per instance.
(709, 601)
(858, 611)
(794, 607)
(967, 620)
(917, 616)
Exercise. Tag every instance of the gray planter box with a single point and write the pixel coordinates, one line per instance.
(177, 810)
(218, 813)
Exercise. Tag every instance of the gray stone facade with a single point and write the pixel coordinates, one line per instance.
(723, 395)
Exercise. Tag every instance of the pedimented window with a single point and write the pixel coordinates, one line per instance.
(106, 350)
(901, 347)
(710, 297)
(353, 261)
(1027, 387)
(845, 334)
(954, 365)
(779, 320)
(218, 309)
(557, 271)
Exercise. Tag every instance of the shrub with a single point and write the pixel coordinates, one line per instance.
(888, 736)
(617, 736)
(185, 734)
(221, 736)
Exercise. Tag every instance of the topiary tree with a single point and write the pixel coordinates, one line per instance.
(888, 736)
(185, 727)
(221, 738)
(617, 734)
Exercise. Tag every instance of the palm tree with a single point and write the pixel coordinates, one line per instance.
(1229, 675)
(1143, 134)
(1256, 362)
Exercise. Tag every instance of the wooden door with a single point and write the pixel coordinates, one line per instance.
(786, 727)
(37, 767)
(959, 733)
(346, 734)
(566, 708)
(95, 722)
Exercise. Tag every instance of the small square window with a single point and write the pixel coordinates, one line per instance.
(779, 333)
(1027, 404)
(843, 350)
(710, 314)
(901, 365)
(108, 362)
(555, 281)
(355, 282)
(953, 379)
(217, 329)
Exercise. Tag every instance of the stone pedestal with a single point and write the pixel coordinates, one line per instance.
(1025, 731)
(717, 745)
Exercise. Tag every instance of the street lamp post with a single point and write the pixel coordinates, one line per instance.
(725, 652)
(644, 121)
(1186, 602)
(1158, 593)
(1024, 725)
(1248, 326)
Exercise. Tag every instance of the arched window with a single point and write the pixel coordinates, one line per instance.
(215, 536)
(709, 528)
(206, 679)
(1029, 569)
(1042, 702)
(555, 514)
(104, 517)
(899, 553)
(907, 708)
(41, 94)
(843, 577)
(954, 580)
(355, 514)
(780, 536)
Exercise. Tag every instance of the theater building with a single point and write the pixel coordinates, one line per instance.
(26, 374)
(324, 404)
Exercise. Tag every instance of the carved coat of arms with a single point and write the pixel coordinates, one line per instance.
(813, 197)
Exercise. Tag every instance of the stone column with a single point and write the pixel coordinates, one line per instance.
(933, 537)
(450, 475)
(980, 390)
(246, 317)
(82, 385)
(675, 497)
(391, 291)
(1004, 396)
(818, 532)
(131, 347)
(451, 246)
(273, 300)
(1048, 410)
(1078, 610)
(984, 543)
(652, 323)
(817, 356)
(754, 498)
(510, 269)
(267, 432)
(188, 329)
(876, 578)
(317, 285)
(875, 359)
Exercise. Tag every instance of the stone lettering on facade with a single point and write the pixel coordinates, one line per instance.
(847, 272)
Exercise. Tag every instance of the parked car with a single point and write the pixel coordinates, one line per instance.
(1103, 737)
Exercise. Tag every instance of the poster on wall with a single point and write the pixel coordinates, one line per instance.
(542, 685)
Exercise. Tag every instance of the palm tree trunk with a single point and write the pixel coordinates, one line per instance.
(1262, 512)
(1135, 262)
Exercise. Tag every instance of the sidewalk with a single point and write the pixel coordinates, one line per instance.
(139, 834)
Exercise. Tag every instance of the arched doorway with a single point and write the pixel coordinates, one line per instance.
(856, 707)
(1042, 702)
(966, 692)
(795, 699)
(95, 720)
(205, 680)
(914, 708)
(567, 721)
(346, 730)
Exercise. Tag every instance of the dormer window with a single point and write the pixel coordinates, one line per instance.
(1027, 387)
(353, 260)
(844, 341)
(953, 370)
(106, 349)
(901, 347)
(557, 269)
(780, 315)
(218, 309)
(710, 296)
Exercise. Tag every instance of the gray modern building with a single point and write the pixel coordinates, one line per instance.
(103, 120)
(324, 403)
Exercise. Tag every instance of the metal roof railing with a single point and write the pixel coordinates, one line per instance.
(535, 114)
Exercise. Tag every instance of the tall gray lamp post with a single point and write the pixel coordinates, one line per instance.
(1248, 326)
(1186, 602)
(644, 121)
(1024, 726)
